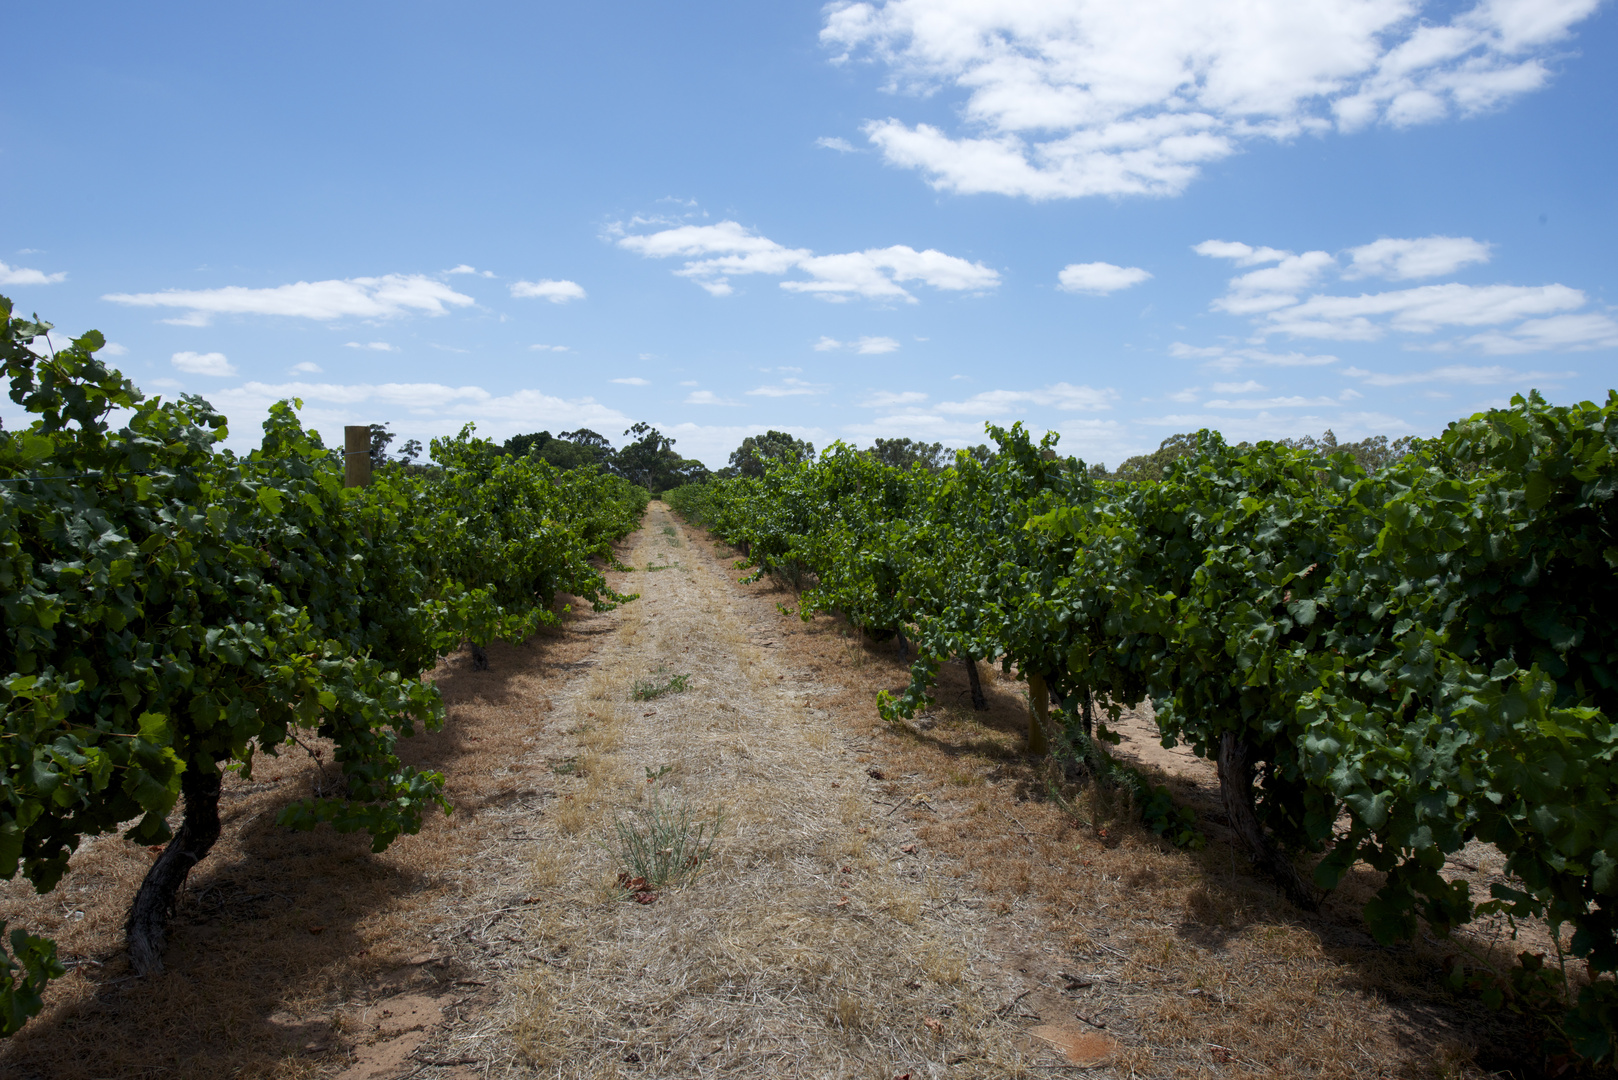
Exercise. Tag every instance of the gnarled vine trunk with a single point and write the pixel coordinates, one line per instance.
(146, 931)
(979, 702)
(1236, 791)
(1039, 711)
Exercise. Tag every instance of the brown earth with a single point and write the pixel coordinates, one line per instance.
(880, 901)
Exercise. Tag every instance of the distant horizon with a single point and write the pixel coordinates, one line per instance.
(851, 221)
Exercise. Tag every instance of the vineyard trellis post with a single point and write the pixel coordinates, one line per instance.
(357, 455)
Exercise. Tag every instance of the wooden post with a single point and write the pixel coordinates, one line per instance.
(356, 455)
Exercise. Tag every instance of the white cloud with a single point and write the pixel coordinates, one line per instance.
(1247, 387)
(875, 345)
(307, 368)
(373, 346)
(1420, 310)
(1574, 333)
(788, 387)
(715, 253)
(1067, 98)
(834, 142)
(557, 292)
(1061, 396)
(1289, 402)
(1099, 278)
(633, 380)
(1401, 260)
(363, 298)
(870, 346)
(212, 363)
(465, 269)
(112, 348)
(1453, 374)
(1226, 359)
(647, 356)
(887, 399)
(21, 275)
(548, 348)
(707, 397)
(1271, 296)
(688, 382)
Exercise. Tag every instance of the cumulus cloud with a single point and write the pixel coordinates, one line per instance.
(788, 387)
(875, 345)
(1227, 358)
(1453, 374)
(362, 298)
(1589, 330)
(22, 275)
(633, 380)
(112, 348)
(373, 346)
(307, 368)
(465, 269)
(1099, 278)
(1069, 98)
(887, 399)
(869, 346)
(1519, 318)
(707, 397)
(193, 363)
(716, 253)
(1061, 396)
(1401, 260)
(557, 292)
(1292, 401)
(833, 142)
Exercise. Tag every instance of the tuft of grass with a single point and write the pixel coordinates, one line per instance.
(661, 843)
(647, 689)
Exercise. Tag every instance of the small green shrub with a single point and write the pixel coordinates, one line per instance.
(647, 689)
(662, 843)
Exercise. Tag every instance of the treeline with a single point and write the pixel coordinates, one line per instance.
(172, 609)
(1389, 650)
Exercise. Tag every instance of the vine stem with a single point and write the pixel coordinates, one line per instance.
(1236, 792)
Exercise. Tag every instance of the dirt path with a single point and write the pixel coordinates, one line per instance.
(817, 943)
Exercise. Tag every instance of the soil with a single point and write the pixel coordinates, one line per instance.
(878, 901)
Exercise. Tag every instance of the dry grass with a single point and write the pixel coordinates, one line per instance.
(807, 947)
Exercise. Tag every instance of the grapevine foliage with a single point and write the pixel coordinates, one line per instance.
(1429, 649)
(170, 607)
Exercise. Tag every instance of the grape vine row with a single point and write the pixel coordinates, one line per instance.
(1384, 665)
(172, 609)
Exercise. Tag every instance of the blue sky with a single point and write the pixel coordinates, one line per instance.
(1117, 219)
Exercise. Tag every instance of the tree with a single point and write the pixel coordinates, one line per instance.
(1369, 454)
(756, 452)
(579, 449)
(380, 438)
(905, 453)
(651, 462)
(1151, 466)
(523, 445)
